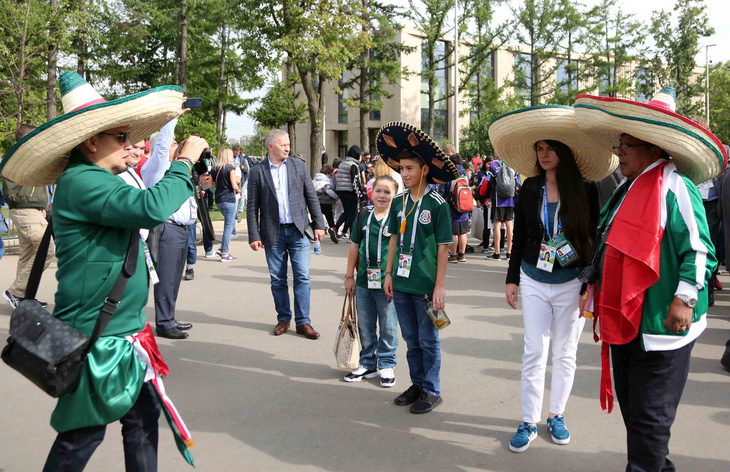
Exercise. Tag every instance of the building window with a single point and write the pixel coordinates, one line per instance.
(341, 144)
(566, 82)
(604, 85)
(440, 112)
(341, 103)
(485, 72)
(372, 136)
(523, 76)
(644, 85)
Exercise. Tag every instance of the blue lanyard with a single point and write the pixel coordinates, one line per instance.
(557, 225)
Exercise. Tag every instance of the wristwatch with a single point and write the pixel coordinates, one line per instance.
(688, 300)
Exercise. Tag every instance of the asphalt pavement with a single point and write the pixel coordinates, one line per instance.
(255, 402)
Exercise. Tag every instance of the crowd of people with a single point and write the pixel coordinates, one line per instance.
(638, 253)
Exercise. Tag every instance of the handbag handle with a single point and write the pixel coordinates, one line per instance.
(351, 308)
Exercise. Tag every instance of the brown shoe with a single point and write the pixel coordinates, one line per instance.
(281, 328)
(307, 331)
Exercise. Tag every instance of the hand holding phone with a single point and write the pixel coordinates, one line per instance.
(193, 103)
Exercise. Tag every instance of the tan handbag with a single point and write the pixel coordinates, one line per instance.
(347, 343)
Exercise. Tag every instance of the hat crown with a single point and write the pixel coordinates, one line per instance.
(666, 99)
(76, 92)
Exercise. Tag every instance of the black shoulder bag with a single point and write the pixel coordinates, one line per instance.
(47, 351)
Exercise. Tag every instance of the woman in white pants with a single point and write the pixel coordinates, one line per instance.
(555, 220)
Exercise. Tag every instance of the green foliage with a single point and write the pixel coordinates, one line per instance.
(495, 101)
(280, 106)
(672, 60)
(720, 101)
(257, 145)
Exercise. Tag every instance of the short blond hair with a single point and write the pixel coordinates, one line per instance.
(225, 158)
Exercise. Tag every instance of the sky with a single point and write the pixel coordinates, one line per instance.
(717, 10)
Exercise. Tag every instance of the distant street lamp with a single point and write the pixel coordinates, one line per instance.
(707, 82)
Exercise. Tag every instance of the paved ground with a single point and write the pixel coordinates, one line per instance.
(258, 402)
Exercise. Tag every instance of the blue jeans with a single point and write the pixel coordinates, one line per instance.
(72, 449)
(422, 339)
(374, 308)
(293, 244)
(229, 216)
(192, 247)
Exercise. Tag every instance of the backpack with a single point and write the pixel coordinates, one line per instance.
(505, 182)
(319, 186)
(460, 197)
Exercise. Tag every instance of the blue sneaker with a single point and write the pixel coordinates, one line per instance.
(486, 251)
(557, 429)
(522, 439)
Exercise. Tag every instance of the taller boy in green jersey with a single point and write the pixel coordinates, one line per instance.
(420, 227)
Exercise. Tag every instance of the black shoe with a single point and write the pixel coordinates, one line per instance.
(190, 274)
(409, 396)
(725, 360)
(507, 256)
(183, 326)
(426, 403)
(710, 298)
(333, 235)
(495, 256)
(172, 333)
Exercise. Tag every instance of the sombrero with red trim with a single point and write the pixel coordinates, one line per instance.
(697, 153)
(397, 136)
(40, 157)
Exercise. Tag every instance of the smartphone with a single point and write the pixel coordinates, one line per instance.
(192, 103)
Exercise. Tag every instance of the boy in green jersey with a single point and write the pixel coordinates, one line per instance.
(420, 227)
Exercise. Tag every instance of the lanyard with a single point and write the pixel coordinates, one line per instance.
(380, 237)
(557, 225)
(415, 221)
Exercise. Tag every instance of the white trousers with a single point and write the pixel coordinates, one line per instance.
(549, 309)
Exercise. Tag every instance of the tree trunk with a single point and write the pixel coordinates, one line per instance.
(221, 81)
(52, 59)
(316, 109)
(81, 44)
(181, 74)
(364, 84)
(291, 126)
(19, 84)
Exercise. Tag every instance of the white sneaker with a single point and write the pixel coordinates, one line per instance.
(360, 373)
(387, 377)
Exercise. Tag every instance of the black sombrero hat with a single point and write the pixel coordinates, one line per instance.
(397, 136)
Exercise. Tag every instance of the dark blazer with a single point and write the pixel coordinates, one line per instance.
(529, 230)
(262, 207)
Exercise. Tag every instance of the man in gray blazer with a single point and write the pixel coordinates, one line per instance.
(280, 191)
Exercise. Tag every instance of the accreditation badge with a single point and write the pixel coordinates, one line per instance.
(150, 265)
(565, 253)
(546, 258)
(404, 265)
(375, 278)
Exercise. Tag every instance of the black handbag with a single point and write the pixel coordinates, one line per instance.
(203, 212)
(44, 349)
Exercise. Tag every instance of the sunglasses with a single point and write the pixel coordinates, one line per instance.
(121, 137)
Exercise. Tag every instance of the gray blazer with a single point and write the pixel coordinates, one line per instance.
(262, 207)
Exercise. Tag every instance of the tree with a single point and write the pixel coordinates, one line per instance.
(672, 59)
(720, 100)
(280, 106)
(257, 145)
(321, 37)
(495, 101)
(539, 32)
(573, 74)
(377, 67)
(615, 42)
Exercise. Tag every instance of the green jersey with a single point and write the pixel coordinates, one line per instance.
(361, 233)
(430, 218)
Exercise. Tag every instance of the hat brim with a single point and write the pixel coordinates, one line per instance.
(513, 136)
(397, 136)
(40, 157)
(698, 153)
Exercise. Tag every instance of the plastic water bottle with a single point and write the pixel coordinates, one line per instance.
(317, 247)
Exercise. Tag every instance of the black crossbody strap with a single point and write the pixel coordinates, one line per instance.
(115, 296)
(39, 263)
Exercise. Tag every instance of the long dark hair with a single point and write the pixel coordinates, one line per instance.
(574, 214)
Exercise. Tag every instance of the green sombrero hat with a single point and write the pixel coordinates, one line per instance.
(696, 151)
(397, 136)
(40, 157)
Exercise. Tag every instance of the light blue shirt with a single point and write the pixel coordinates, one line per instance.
(281, 184)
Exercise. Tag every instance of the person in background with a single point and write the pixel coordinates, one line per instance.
(224, 180)
(327, 197)
(459, 221)
(349, 187)
(27, 209)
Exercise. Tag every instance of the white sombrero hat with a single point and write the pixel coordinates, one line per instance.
(513, 136)
(697, 153)
(40, 157)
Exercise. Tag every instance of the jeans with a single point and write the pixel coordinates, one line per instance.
(242, 200)
(72, 449)
(649, 386)
(374, 308)
(207, 244)
(422, 339)
(549, 310)
(192, 248)
(295, 246)
(229, 216)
